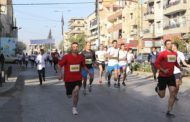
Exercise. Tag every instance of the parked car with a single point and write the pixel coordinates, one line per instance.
(142, 57)
(10, 59)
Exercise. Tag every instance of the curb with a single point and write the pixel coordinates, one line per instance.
(18, 86)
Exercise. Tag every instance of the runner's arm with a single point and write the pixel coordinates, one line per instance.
(60, 65)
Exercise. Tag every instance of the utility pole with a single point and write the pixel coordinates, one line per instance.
(98, 21)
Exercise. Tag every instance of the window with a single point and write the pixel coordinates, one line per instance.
(159, 25)
(159, 4)
(78, 29)
(78, 22)
(131, 15)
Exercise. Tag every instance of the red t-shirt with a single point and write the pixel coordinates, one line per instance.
(166, 60)
(72, 67)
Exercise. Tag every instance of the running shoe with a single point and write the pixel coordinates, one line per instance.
(123, 83)
(118, 85)
(109, 84)
(170, 115)
(90, 88)
(74, 111)
(84, 92)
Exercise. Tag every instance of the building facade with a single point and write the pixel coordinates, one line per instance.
(76, 26)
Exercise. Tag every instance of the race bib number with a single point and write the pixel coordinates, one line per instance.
(74, 68)
(171, 58)
(88, 61)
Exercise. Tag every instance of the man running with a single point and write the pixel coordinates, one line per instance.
(90, 58)
(177, 71)
(151, 59)
(72, 63)
(112, 54)
(165, 63)
(101, 58)
(40, 61)
(55, 56)
(122, 64)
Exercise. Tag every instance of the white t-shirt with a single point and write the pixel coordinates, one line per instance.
(113, 52)
(180, 58)
(40, 60)
(101, 54)
(122, 55)
(130, 57)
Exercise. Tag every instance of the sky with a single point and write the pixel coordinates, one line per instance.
(36, 21)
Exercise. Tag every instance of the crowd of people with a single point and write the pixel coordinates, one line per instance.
(78, 66)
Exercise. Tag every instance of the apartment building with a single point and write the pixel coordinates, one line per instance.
(91, 30)
(76, 26)
(119, 20)
(7, 24)
(176, 15)
(165, 19)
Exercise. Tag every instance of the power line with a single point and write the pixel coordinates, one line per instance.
(36, 4)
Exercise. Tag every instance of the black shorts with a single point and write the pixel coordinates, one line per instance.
(166, 81)
(102, 63)
(71, 85)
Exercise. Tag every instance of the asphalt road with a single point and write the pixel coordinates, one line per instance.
(137, 102)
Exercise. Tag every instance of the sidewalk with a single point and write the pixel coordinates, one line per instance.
(10, 84)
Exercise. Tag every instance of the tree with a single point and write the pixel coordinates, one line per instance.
(61, 44)
(20, 47)
(80, 38)
(182, 46)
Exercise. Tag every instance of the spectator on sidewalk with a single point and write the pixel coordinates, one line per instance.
(152, 59)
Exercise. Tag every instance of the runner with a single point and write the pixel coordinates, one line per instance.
(165, 63)
(26, 59)
(112, 54)
(151, 59)
(122, 64)
(89, 61)
(130, 60)
(55, 56)
(72, 63)
(101, 58)
(40, 61)
(177, 71)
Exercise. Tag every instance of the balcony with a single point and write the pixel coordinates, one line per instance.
(115, 27)
(148, 34)
(133, 32)
(149, 15)
(175, 28)
(93, 36)
(115, 15)
(174, 7)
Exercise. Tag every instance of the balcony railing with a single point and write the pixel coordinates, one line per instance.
(174, 3)
(171, 26)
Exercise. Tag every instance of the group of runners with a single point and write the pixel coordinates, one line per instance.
(78, 65)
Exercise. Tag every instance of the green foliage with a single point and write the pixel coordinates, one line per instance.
(80, 39)
(48, 47)
(61, 45)
(181, 44)
(20, 47)
(143, 67)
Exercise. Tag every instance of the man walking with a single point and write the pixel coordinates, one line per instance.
(40, 61)
(151, 59)
(165, 63)
(72, 63)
